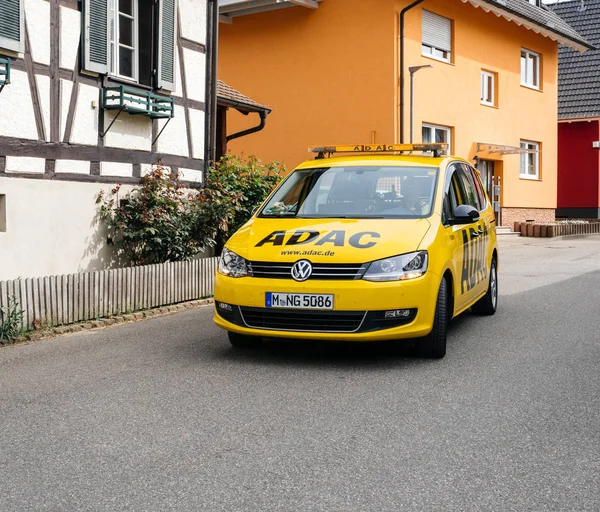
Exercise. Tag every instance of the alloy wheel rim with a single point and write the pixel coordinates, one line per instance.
(494, 286)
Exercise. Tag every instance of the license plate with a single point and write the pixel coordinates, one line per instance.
(299, 300)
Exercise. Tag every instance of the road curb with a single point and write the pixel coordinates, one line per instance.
(103, 323)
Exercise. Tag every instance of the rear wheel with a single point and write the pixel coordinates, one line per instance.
(243, 340)
(489, 302)
(433, 345)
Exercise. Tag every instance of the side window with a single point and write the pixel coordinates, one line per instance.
(452, 194)
(470, 191)
(474, 186)
(479, 186)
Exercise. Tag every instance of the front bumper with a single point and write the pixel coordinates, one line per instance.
(361, 302)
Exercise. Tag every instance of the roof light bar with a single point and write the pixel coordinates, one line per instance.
(437, 148)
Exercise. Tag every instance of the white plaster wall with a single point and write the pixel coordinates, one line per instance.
(85, 122)
(37, 16)
(116, 169)
(192, 175)
(25, 164)
(129, 132)
(52, 228)
(66, 88)
(193, 20)
(43, 83)
(70, 34)
(178, 74)
(73, 166)
(197, 127)
(195, 70)
(17, 119)
(173, 140)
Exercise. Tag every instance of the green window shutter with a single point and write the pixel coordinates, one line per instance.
(11, 25)
(166, 69)
(95, 35)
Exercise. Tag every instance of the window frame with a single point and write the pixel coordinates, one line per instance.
(434, 127)
(524, 165)
(431, 50)
(526, 54)
(115, 45)
(484, 88)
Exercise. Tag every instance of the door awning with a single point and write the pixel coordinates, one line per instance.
(229, 9)
(500, 149)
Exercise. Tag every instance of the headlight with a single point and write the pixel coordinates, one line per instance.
(398, 268)
(232, 265)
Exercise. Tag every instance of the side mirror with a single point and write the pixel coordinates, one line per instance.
(464, 214)
(254, 210)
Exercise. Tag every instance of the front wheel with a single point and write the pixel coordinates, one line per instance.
(433, 345)
(489, 302)
(243, 340)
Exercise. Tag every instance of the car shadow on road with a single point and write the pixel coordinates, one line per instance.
(283, 351)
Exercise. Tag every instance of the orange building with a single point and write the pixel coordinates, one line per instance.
(330, 70)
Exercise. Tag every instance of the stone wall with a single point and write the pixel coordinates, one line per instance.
(538, 215)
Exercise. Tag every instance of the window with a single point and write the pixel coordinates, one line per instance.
(11, 25)
(452, 195)
(2, 213)
(130, 39)
(368, 191)
(123, 19)
(473, 193)
(530, 69)
(530, 162)
(488, 88)
(436, 36)
(433, 133)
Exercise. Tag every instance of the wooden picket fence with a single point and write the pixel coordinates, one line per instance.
(58, 300)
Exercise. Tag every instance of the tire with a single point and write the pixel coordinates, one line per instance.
(433, 346)
(489, 302)
(243, 340)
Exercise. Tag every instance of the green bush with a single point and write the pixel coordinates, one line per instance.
(254, 181)
(163, 221)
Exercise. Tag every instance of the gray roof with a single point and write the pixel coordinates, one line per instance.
(579, 74)
(543, 17)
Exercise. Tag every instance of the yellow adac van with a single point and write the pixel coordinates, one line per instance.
(363, 243)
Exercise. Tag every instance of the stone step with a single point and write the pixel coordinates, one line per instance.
(506, 231)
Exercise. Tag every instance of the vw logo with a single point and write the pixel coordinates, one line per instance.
(301, 270)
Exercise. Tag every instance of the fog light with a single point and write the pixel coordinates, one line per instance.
(224, 306)
(397, 313)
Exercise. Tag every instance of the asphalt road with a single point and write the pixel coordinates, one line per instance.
(164, 415)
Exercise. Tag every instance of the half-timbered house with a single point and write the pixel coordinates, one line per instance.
(93, 92)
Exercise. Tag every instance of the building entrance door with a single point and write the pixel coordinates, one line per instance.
(491, 182)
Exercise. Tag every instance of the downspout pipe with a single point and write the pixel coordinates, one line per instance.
(402, 13)
(263, 120)
(211, 80)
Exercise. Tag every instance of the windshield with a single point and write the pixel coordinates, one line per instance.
(355, 192)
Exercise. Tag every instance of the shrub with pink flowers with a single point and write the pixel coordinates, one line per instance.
(163, 220)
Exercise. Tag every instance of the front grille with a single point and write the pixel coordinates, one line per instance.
(302, 320)
(321, 271)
